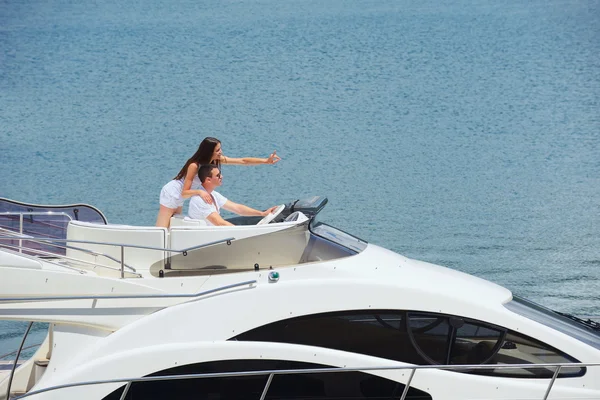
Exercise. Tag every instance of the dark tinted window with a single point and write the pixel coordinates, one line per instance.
(443, 339)
(474, 343)
(519, 349)
(418, 338)
(380, 334)
(430, 334)
(333, 386)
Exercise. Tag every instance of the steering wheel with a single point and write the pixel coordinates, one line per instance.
(272, 215)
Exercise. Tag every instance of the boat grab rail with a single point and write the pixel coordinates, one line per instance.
(21, 214)
(65, 258)
(271, 373)
(16, 351)
(49, 242)
(129, 296)
(30, 213)
(121, 245)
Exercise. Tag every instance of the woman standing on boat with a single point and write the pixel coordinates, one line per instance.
(186, 184)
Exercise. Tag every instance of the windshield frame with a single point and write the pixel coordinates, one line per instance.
(337, 236)
(554, 320)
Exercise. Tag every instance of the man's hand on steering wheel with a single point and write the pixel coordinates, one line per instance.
(271, 214)
(269, 211)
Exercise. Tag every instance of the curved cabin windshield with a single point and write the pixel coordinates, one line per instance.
(287, 247)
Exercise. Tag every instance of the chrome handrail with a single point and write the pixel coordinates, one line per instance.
(14, 367)
(41, 252)
(131, 296)
(14, 352)
(407, 386)
(22, 213)
(51, 206)
(48, 242)
(272, 373)
(73, 259)
(122, 245)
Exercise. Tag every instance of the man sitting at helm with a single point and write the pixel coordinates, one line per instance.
(211, 178)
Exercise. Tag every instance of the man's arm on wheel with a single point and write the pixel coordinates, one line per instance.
(246, 211)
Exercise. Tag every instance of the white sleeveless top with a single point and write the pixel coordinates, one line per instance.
(196, 184)
(170, 195)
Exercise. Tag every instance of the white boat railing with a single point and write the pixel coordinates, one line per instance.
(272, 373)
(58, 259)
(123, 246)
(14, 367)
(2, 356)
(22, 214)
(53, 242)
(128, 296)
(6, 204)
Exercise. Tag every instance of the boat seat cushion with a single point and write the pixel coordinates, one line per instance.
(179, 221)
(147, 236)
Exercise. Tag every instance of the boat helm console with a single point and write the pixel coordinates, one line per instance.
(309, 206)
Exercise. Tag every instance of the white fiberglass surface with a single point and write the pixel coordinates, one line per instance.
(291, 246)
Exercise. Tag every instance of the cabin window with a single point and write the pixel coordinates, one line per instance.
(322, 386)
(519, 349)
(379, 334)
(419, 338)
(443, 339)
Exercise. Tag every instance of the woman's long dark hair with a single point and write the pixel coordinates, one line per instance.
(202, 156)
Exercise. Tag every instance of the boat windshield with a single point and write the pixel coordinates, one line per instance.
(42, 221)
(337, 236)
(585, 331)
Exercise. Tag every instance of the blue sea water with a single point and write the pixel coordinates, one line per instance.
(465, 133)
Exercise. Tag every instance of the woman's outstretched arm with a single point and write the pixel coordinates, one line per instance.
(272, 159)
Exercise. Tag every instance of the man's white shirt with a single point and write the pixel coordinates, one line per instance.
(199, 209)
